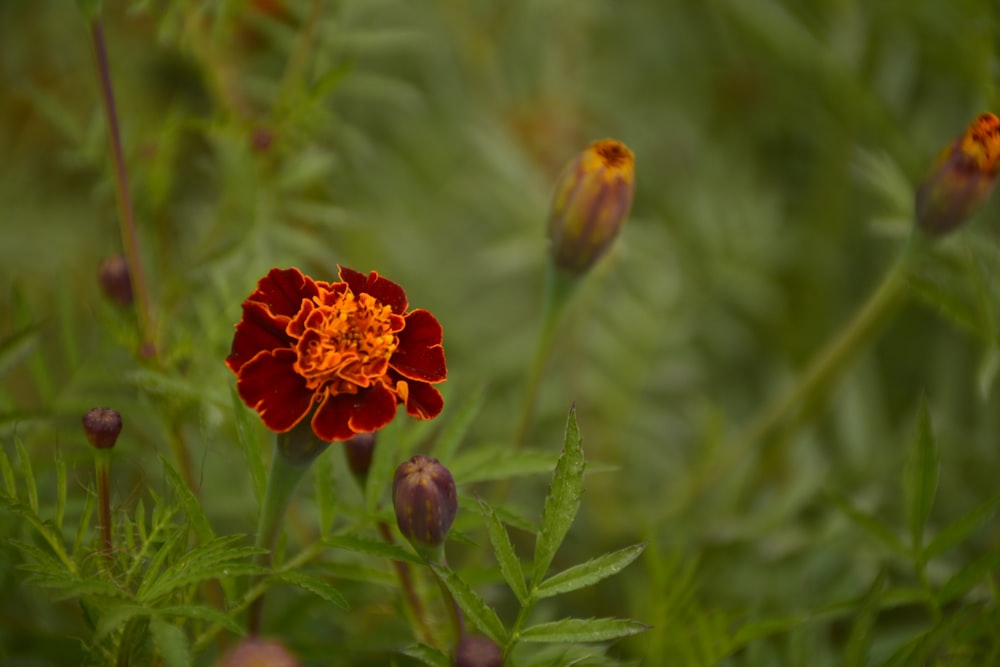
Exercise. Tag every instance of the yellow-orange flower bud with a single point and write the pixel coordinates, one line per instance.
(961, 179)
(592, 200)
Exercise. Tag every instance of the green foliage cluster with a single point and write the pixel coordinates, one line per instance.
(778, 147)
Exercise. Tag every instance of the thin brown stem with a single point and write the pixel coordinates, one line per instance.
(409, 590)
(130, 239)
(103, 469)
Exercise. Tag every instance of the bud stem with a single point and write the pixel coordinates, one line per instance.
(102, 465)
(409, 590)
(559, 287)
(130, 238)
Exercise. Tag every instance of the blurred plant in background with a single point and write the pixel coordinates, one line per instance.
(785, 392)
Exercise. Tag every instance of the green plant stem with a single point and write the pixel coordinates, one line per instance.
(102, 465)
(285, 475)
(409, 590)
(454, 612)
(130, 238)
(559, 288)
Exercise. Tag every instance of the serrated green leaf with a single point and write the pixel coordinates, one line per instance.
(28, 475)
(562, 501)
(116, 618)
(316, 586)
(920, 477)
(766, 627)
(170, 642)
(969, 576)
(503, 550)
(476, 611)
(955, 532)
(83, 527)
(427, 655)
(581, 630)
(10, 487)
(217, 559)
(870, 524)
(17, 346)
(495, 463)
(203, 613)
(250, 445)
(860, 640)
(456, 427)
(372, 547)
(589, 573)
(202, 528)
(60, 464)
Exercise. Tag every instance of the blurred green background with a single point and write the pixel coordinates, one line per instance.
(778, 144)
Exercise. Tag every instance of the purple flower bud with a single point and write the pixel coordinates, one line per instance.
(255, 652)
(359, 451)
(424, 497)
(115, 281)
(592, 200)
(475, 651)
(102, 426)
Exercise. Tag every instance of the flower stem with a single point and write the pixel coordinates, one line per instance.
(559, 287)
(130, 239)
(289, 465)
(102, 465)
(409, 590)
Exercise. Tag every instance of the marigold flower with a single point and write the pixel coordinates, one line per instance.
(592, 200)
(102, 426)
(349, 349)
(961, 179)
(424, 497)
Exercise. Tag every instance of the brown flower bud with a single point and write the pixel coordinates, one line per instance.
(115, 281)
(255, 652)
(359, 451)
(102, 426)
(592, 200)
(424, 497)
(475, 651)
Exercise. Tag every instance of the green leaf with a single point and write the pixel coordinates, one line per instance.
(953, 534)
(428, 655)
(510, 566)
(495, 463)
(969, 576)
(875, 528)
(171, 643)
(203, 613)
(10, 486)
(116, 618)
(217, 559)
(860, 640)
(28, 475)
(247, 438)
(562, 501)
(90, 9)
(17, 346)
(920, 478)
(324, 482)
(316, 586)
(573, 630)
(589, 573)
(457, 426)
(372, 547)
(60, 464)
(767, 627)
(384, 461)
(476, 611)
(202, 528)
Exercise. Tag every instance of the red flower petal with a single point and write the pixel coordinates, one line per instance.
(282, 290)
(423, 401)
(268, 384)
(258, 330)
(383, 289)
(343, 416)
(378, 411)
(420, 355)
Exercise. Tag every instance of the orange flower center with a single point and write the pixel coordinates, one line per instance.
(346, 344)
(981, 142)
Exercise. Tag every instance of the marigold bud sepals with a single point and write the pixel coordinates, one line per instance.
(425, 501)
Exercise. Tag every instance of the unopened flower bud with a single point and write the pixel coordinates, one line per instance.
(115, 281)
(592, 200)
(102, 426)
(255, 652)
(424, 497)
(473, 651)
(961, 179)
(359, 451)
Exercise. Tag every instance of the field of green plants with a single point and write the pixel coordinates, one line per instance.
(677, 326)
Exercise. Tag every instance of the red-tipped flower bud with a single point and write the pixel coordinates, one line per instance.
(592, 200)
(102, 426)
(424, 497)
(254, 652)
(961, 179)
(475, 651)
(116, 283)
(359, 451)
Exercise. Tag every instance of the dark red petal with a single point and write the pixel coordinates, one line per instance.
(258, 330)
(282, 290)
(424, 401)
(332, 419)
(420, 355)
(378, 410)
(268, 384)
(383, 289)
